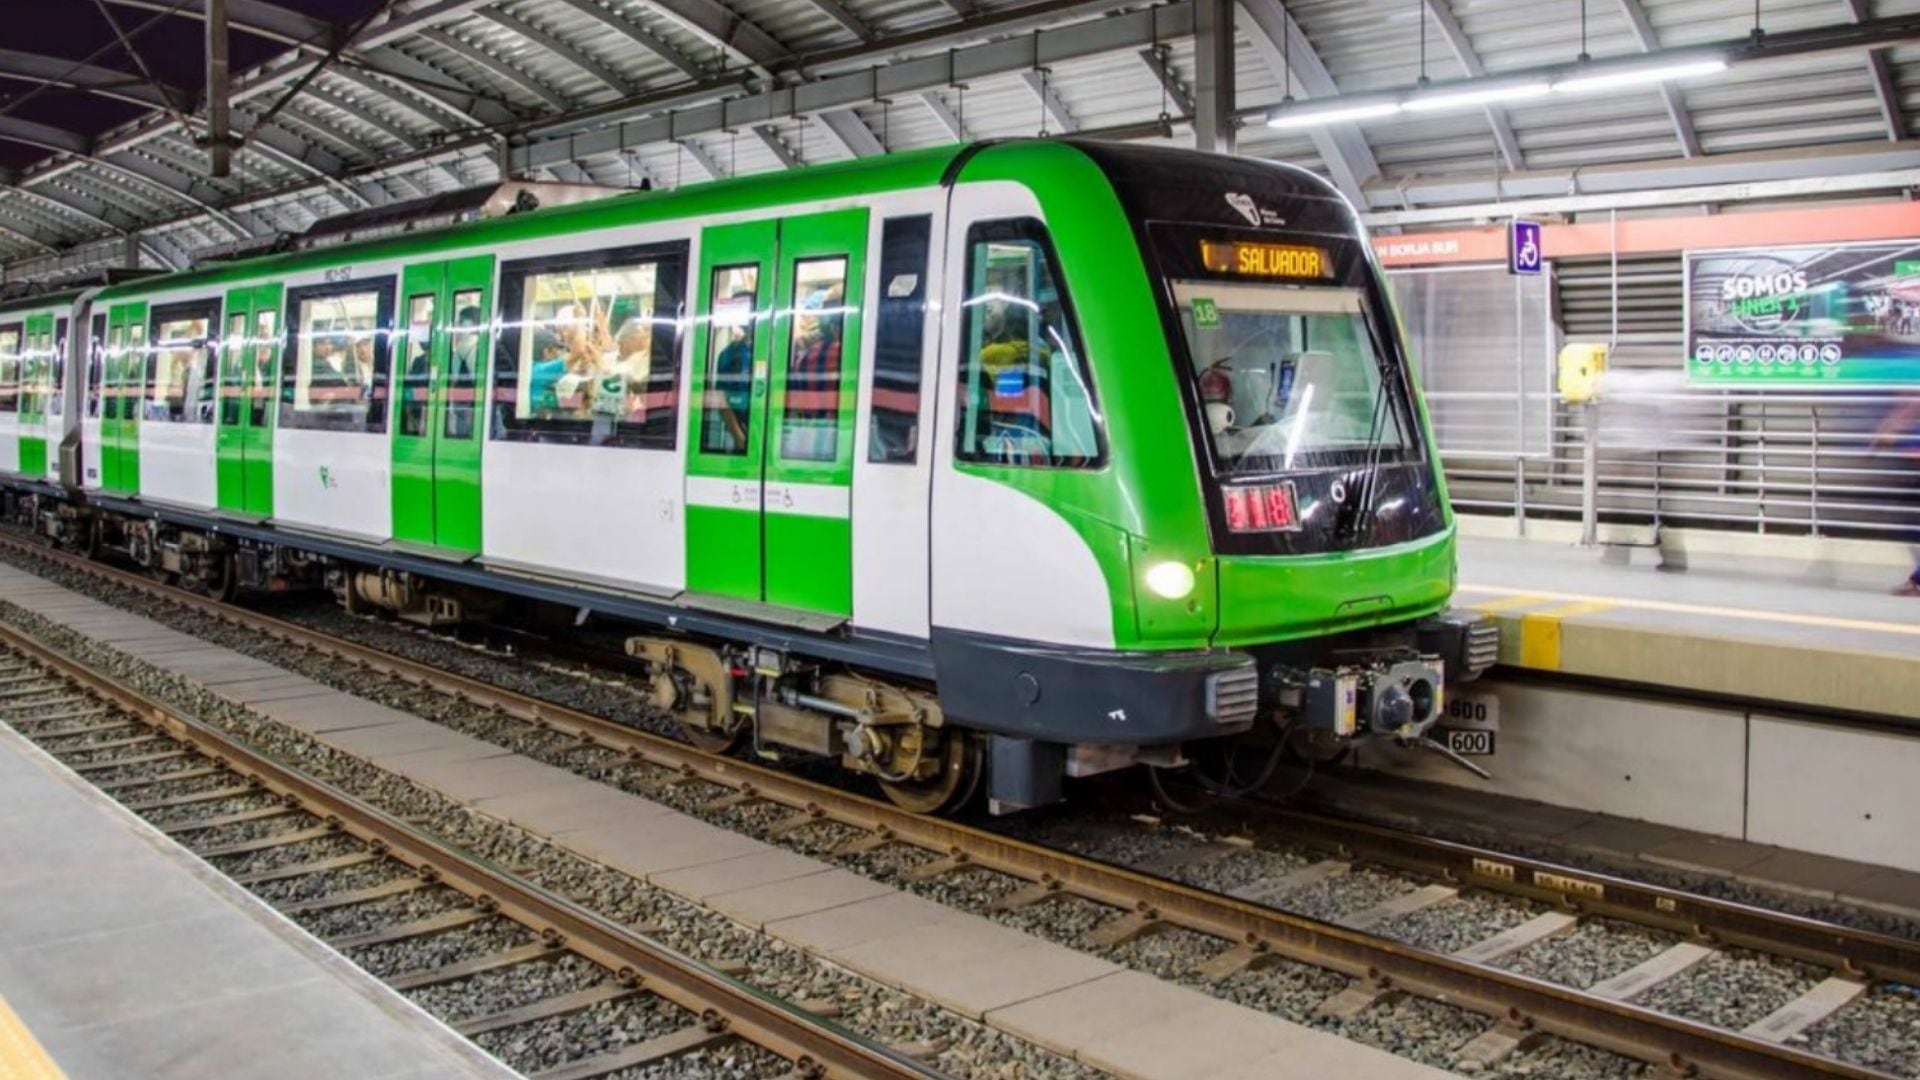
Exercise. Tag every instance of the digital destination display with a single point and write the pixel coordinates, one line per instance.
(1245, 258)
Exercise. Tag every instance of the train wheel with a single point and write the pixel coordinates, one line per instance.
(954, 786)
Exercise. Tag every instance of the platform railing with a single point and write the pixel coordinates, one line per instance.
(1751, 461)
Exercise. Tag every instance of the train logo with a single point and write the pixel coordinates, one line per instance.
(1245, 206)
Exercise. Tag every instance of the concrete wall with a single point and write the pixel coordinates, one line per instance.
(1809, 786)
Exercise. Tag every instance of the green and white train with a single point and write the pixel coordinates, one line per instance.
(1022, 460)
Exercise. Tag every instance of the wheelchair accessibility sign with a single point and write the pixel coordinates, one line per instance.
(1523, 247)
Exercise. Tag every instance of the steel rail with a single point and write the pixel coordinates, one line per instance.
(816, 1047)
(1859, 953)
(1258, 933)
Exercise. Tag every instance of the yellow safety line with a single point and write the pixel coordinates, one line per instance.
(1508, 603)
(1540, 633)
(21, 1055)
(1757, 614)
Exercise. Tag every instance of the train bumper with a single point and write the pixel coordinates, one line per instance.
(1061, 694)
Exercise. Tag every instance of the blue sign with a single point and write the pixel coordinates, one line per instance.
(1523, 247)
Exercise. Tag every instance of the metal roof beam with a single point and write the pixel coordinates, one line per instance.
(497, 67)
(701, 159)
(53, 216)
(44, 136)
(255, 17)
(1462, 48)
(365, 115)
(106, 82)
(770, 138)
(367, 50)
(637, 35)
(96, 211)
(1885, 93)
(1676, 108)
(405, 80)
(578, 57)
(943, 115)
(716, 24)
(1343, 149)
(1179, 102)
(852, 133)
(1127, 31)
(1054, 110)
(1769, 174)
(847, 20)
(27, 237)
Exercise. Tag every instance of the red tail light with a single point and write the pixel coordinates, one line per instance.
(1262, 508)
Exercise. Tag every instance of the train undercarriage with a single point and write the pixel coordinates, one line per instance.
(726, 696)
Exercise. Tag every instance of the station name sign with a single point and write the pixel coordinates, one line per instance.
(1834, 315)
(1243, 258)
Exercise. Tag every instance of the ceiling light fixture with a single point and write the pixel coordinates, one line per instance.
(1437, 100)
(1299, 117)
(1581, 83)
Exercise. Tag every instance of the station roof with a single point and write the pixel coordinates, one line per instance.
(347, 105)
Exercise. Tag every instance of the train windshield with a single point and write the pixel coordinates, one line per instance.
(1288, 377)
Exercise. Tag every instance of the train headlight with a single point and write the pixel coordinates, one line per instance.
(1170, 580)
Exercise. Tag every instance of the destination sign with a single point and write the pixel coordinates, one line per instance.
(1252, 259)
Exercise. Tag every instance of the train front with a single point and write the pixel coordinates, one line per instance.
(1331, 539)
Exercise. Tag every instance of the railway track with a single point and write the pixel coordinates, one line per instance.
(417, 913)
(1252, 932)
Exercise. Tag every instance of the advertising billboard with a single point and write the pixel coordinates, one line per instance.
(1844, 315)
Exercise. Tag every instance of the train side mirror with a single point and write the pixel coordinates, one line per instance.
(1581, 366)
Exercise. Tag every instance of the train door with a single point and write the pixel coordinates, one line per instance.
(439, 414)
(13, 343)
(126, 382)
(249, 355)
(770, 468)
(56, 395)
(93, 399)
(36, 369)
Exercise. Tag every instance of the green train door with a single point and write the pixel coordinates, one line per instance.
(125, 385)
(770, 471)
(439, 417)
(36, 377)
(249, 367)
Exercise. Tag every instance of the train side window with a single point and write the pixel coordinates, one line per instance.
(260, 356)
(1025, 398)
(180, 367)
(893, 428)
(103, 392)
(810, 411)
(463, 363)
(416, 375)
(233, 388)
(96, 364)
(10, 345)
(727, 413)
(133, 370)
(57, 376)
(335, 377)
(588, 351)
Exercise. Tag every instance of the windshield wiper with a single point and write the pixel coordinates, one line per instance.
(1363, 516)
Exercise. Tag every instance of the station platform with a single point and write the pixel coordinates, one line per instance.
(1743, 688)
(123, 955)
(1824, 635)
(1080, 1006)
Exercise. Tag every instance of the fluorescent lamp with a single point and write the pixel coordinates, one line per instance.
(1312, 117)
(1639, 75)
(1433, 101)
